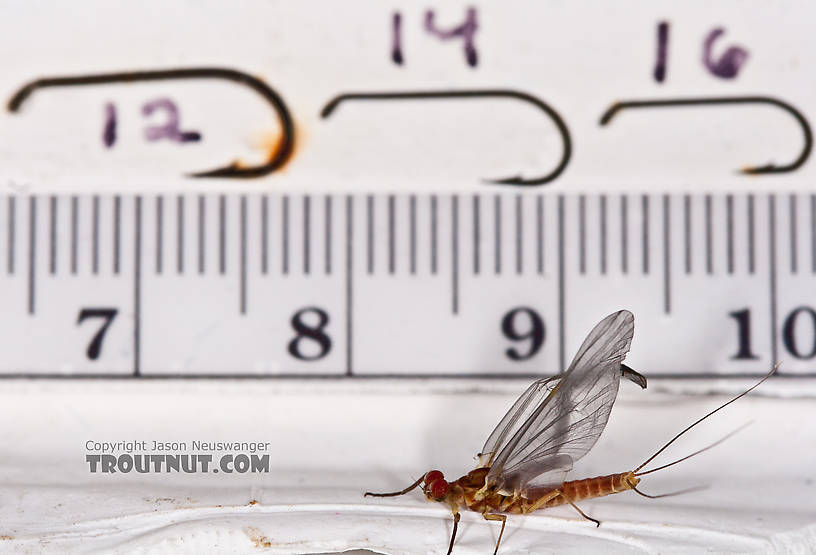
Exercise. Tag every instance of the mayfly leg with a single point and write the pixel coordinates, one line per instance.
(503, 518)
(396, 493)
(455, 526)
(580, 512)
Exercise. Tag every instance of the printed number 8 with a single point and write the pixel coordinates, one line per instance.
(314, 332)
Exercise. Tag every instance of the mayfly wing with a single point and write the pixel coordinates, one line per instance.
(516, 417)
(523, 408)
(565, 425)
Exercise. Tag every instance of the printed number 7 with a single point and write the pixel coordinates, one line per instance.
(95, 346)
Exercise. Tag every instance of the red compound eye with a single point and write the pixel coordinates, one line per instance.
(438, 488)
(432, 476)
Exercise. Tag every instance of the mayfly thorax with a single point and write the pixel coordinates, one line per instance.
(556, 421)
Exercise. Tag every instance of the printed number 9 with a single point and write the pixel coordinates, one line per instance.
(532, 331)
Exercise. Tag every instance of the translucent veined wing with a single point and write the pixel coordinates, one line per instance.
(524, 407)
(565, 425)
(515, 417)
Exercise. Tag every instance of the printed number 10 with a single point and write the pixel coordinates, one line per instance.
(789, 339)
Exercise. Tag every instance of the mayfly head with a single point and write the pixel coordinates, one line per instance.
(435, 486)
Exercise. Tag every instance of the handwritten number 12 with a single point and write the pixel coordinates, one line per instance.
(168, 130)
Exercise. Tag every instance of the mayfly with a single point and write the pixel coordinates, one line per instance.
(556, 421)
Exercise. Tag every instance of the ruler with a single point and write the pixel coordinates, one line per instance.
(471, 285)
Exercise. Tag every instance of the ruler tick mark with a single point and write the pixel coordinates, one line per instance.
(751, 236)
(519, 236)
(582, 234)
(794, 254)
(264, 234)
(666, 254)
(540, 234)
(159, 232)
(95, 234)
(455, 251)
(327, 233)
(74, 233)
(624, 200)
(391, 235)
(497, 235)
(52, 235)
(222, 234)
(708, 236)
(32, 250)
(412, 223)
(137, 287)
(370, 233)
(117, 213)
(644, 205)
(202, 214)
(349, 283)
(476, 235)
(433, 234)
(11, 227)
(243, 254)
(179, 234)
(285, 235)
(307, 237)
(729, 231)
(772, 268)
(687, 231)
(561, 285)
(813, 233)
(603, 238)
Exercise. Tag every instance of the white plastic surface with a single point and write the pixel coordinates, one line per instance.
(331, 441)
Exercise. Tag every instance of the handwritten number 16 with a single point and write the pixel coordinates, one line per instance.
(727, 66)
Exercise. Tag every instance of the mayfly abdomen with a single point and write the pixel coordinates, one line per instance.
(600, 486)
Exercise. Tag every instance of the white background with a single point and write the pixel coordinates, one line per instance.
(334, 440)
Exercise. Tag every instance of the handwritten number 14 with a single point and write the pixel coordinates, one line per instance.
(466, 31)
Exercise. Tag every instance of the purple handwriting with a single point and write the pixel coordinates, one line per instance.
(169, 130)
(109, 129)
(396, 41)
(466, 31)
(726, 67)
(729, 64)
(662, 50)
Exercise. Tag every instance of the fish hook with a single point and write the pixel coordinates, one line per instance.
(276, 158)
(616, 107)
(333, 104)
